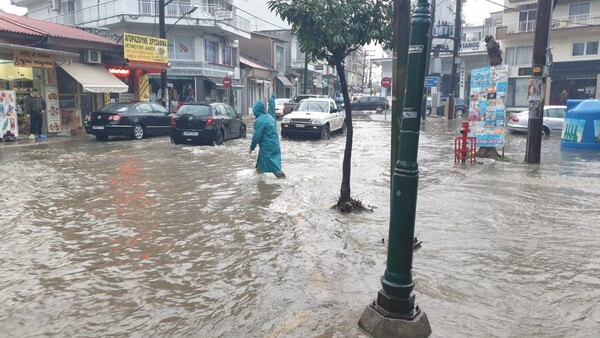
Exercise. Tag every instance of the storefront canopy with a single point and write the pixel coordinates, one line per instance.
(95, 79)
(286, 82)
(219, 82)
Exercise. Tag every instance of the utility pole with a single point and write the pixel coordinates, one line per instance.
(163, 35)
(428, 61)
(537, 84)
(456, 49)
(394, 314)
(305, 76)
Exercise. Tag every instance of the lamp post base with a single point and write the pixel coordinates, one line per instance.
(377, 325)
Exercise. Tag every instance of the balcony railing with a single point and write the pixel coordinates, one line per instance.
(97, 14)
(572, 21)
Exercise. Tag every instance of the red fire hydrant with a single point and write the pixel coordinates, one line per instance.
(465, 146)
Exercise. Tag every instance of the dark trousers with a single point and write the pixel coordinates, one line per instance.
(35, 123)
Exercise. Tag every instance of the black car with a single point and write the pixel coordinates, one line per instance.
(376, 103)
(202, 122)
(133, 119)
(461, 106)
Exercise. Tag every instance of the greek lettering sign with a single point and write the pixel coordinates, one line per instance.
(415, 49)
(145, 48)
(487, 106)
(26, 58)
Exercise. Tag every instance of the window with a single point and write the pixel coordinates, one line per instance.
(582, 9)
(159, 109)
(230, 112)
(555, 112)
(585, 48)
(229, 55)
(523, 55)
(210, 51)
(279, 57)
(527, 20)
(144, 108)
(510, 56)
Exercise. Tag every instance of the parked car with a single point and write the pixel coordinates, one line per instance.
(279, 104)
(314, 117)
(133, 119)
(288, 107)
(376, 103)
(206, 122)
(461, 106)
(554, 117)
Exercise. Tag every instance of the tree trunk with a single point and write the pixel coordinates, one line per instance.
(345, 189)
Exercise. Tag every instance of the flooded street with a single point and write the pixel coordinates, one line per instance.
(146, 238)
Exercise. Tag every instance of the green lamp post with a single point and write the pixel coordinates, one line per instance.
(394, 312)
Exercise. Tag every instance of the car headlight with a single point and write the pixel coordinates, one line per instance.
(316, 122)
(285, 120)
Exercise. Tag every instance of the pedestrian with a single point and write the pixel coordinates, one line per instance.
(266, 137)
(564, 96)
(272, 106)
(35, 107)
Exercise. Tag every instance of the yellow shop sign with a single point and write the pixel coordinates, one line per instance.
(26, 58)
(145, 48)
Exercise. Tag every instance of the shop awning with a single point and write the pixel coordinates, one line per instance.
(95, 79)
(150, 67)
(286, 82)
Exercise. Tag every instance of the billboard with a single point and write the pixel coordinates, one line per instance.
(145, 48)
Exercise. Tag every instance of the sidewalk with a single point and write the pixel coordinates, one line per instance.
(23, 141)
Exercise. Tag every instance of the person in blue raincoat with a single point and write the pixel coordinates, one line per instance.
(272, 106)
(266, 137)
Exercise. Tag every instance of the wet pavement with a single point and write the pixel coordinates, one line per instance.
(147, 238)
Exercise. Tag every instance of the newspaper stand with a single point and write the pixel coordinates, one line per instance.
(465, 147)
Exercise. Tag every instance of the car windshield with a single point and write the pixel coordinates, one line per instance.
(195, 110)
(115, 107)
(281, 101)
(317, 106)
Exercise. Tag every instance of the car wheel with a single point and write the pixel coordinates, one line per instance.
(379, 109)
(243, 132)
(102, 137)
(459, 112)
(545, 131)
(137, 132)
(219, 139)
(325, 133)
(428, 111)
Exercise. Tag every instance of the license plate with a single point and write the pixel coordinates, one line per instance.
(98, 127)
(190, 133)
(299, 126)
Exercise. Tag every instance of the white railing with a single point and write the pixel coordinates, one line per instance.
(571, 21)
(97, 14)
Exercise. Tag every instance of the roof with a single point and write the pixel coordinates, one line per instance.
(26, 25)
(252, 64)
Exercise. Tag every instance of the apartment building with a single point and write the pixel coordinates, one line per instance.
(574, 61)
(203, 37)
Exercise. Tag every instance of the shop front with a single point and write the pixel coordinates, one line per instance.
(574, 80)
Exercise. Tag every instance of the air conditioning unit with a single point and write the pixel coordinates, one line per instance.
(92, 56)
(54, 5)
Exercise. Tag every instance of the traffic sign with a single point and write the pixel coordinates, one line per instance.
(226, 82)
(386, 82)
(431, 81)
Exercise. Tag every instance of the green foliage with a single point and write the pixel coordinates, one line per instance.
(332, 29)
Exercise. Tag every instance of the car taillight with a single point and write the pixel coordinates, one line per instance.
(88, 117)
(174, 122)
(210, 122)
(515, 119)
(114, 118)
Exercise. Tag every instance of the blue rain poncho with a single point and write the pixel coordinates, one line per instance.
(272, 106)
(266, 137)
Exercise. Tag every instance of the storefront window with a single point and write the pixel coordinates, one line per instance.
(210, 51)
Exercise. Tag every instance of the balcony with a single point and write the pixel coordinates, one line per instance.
(216, 19)
(558, 23)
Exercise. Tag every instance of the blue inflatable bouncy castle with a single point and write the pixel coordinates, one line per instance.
(581, 128)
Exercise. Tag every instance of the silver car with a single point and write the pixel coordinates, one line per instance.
(554, 117)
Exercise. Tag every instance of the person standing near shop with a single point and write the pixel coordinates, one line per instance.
(35, 107)
(272, 106)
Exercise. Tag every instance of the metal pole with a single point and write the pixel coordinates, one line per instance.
(163, 34)
(428, 61)
(456, 49)
(305, 76)
(537, 84)
(396, 299)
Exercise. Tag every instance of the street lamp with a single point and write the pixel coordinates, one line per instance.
(163, 35)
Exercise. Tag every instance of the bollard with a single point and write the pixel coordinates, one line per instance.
(465, 146)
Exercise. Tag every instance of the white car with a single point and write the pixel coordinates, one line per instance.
(279, 106)
(314, 117)
(554, 117)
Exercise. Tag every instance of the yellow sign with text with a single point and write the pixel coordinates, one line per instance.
(145, 48)
(26, 58)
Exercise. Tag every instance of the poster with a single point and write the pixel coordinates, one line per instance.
(8, 114)
(573, 130)
(487, 105)
(52, 110)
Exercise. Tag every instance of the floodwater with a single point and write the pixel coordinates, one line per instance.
(145, 238)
